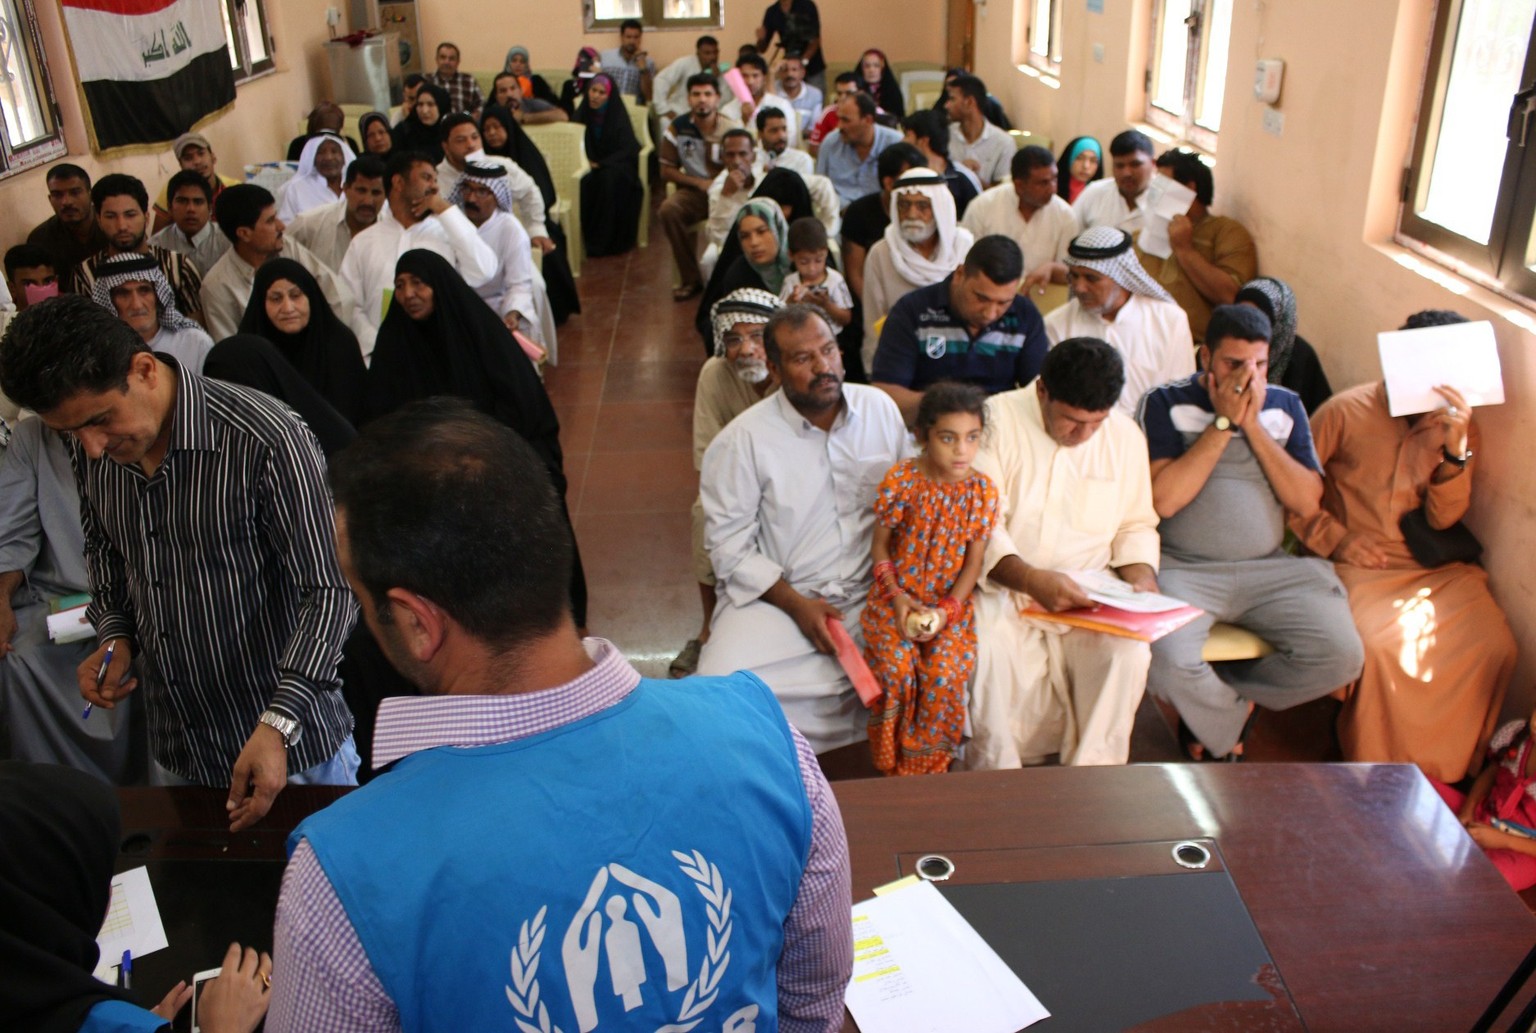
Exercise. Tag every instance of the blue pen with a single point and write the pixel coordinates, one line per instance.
(101, 676)
(125, 971)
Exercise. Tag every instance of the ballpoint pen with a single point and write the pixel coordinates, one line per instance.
(101, 676)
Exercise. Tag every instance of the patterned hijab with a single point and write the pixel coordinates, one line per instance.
(772, 273)
(747, 305)
(491, 176)
(135, 268)
(1107, 250)
(1277, 301)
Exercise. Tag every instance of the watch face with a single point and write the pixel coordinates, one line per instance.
(1222, 423)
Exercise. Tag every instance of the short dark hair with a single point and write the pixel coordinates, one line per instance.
(449, 504)
(60, 347)
(929, 125)
(996, 257)
(65, 170)
(705, 41)
(118, 184)
(500, 76)
(1188, 168)
(630, 23)
(791, 317)
(1243, 322)
(766, 113)
(752, 61)
(1433, 317)
(841, 77)
(1085, 373)
(239, 207)
(1028, 159)
(451, 46)
(703, 79)
(945, 397)
(366, 166)
(864, 102)
(27, 256)
(1130, 142)
(414, 79)
(183, 180)
(400, 165)
(898, 158)
(736, 131)
(970, 86)
(794, 55)
(807, 234)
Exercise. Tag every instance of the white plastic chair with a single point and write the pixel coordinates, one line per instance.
(565, 152)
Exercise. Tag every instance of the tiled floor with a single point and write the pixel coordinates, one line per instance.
(624, 392)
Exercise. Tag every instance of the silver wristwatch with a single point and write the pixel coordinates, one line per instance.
(287, 727)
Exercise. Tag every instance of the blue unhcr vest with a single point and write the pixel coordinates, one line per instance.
(630, 871)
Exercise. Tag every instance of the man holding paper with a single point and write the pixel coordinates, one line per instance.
(1199, 258)
(1231, 456)
(1075, 495)
(1438, 651)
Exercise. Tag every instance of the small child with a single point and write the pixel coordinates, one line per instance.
(934, 516)
(1499, 811)
(812, 282)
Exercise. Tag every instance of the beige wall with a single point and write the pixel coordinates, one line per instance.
(1320, 200)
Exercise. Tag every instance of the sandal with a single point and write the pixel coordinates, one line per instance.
(692, 290)
(687, 661)
(1242, 738)
(1188, 743)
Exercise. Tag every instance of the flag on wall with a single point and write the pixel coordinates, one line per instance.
(149, 69)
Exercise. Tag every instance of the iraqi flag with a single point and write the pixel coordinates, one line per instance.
(149, 69)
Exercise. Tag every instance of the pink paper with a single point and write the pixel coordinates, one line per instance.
(738, 85)
(852, 661)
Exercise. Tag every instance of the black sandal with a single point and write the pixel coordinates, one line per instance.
(1188, 743)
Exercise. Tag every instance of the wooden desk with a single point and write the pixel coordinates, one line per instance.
(1379, 911)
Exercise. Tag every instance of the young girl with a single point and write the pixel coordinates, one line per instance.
(935, 514)
(1499, 811)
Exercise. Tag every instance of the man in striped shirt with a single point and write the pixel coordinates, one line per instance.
(211, 554)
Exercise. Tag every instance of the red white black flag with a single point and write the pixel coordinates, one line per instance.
(149, 69)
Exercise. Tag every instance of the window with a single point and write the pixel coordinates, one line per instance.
(653, 14)
(31, 122)
(1470, 188)
(1044, 32)
(245, 32)
(1187, 68)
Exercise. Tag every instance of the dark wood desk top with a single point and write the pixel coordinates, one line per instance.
(1379, 911)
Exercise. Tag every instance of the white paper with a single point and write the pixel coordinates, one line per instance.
(919, 967)
(1166, 198)
(1103, 587)
(1462, 355)
(132, 924)
(69, 626)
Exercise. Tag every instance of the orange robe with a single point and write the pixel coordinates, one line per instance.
(1438, 651)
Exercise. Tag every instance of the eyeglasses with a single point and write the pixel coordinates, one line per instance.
(732, 340)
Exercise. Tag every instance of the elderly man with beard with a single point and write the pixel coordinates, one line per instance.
(517, 294)
(1114, 300)
(133, 288)
(788, 489)
(328, 230)
(922, 245)
(733, 380)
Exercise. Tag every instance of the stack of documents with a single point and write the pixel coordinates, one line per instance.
(1120, 609)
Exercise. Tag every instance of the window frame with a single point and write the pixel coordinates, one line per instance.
(1502, 264)
(1183, 126)
(653, 18)
(238, 41)
(51, 145)
(1050, 62)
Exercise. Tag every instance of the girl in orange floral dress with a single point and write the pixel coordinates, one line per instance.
(934, 515)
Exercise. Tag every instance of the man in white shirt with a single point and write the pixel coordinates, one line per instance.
(773, 145)
(671, 85)
(192, 232)
(417, 216)
(328, 230)
(461, 142)
(247, 215)
(1118, 201)
(979, 145)
(788, 489)
(754, 71)
(732, 186)
(482, 194)
(1029, 211)
(1114, 300)
(1074, 494)
(805, 97)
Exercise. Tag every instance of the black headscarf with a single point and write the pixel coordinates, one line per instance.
(325, 352)
(464, 350)
(362, 133)
(254, 362)
(789, 190)
(610, 138)
(412, 135)
(59, 835)
(887, 92)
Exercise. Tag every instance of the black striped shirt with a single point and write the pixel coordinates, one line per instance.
(221, 569)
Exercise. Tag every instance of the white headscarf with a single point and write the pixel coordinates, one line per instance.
(954, 240)
(491, 176)
(308, 189)
(1107, 250)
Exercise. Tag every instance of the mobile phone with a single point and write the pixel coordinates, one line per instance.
(198, 981)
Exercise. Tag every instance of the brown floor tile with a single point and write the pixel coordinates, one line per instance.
(649, 625)
(670, 380)
(575, 464)
(645, 427)
(578, 426)
(575, 383)
(636, 550)
(627, 482)
(642, 338)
